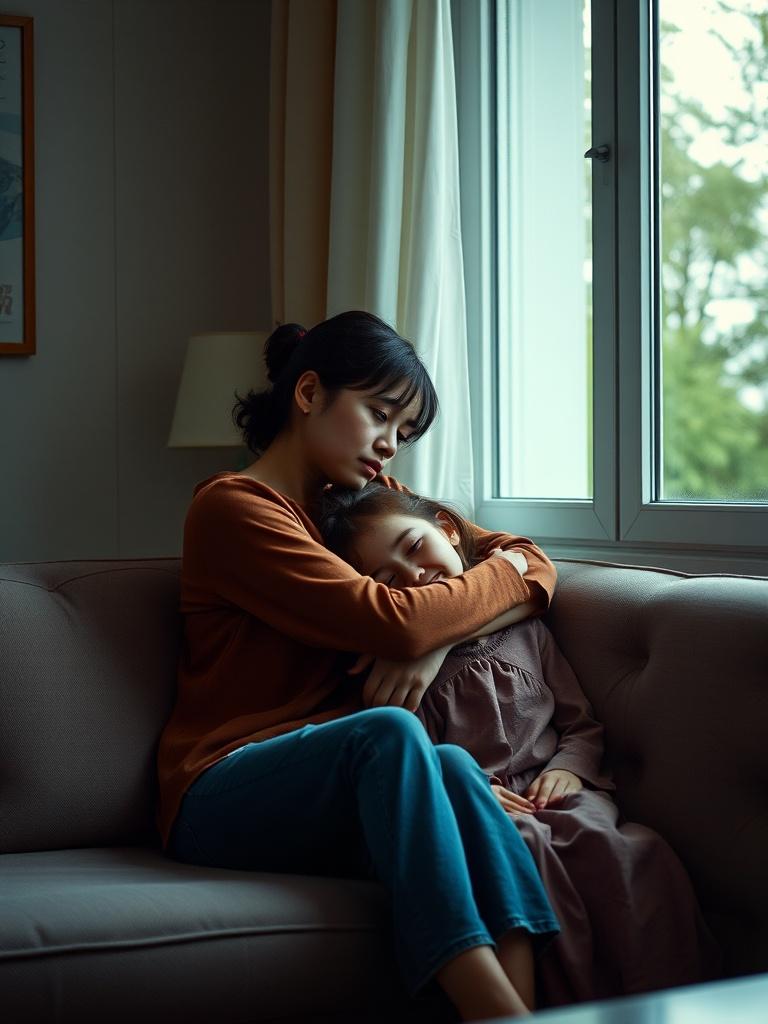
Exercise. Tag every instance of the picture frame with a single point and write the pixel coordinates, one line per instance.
(17, 219)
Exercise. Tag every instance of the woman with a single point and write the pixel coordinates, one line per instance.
(270, 760)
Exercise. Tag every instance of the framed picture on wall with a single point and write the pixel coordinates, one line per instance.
(17, 221)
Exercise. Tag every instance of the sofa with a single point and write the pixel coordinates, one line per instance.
(96, 923)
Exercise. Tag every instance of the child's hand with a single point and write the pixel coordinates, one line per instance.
(511, 801)
(550, 787)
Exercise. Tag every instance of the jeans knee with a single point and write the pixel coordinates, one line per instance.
(393, 727)
(388, 720)
(456, 761)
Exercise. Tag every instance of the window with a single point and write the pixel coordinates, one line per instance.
(712, 118)
(543, 250)
(618, 306)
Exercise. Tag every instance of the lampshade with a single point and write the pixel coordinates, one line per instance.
(216, 365)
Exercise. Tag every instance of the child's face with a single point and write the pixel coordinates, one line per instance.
(405, 551)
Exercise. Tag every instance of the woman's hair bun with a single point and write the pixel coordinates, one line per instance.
(280, 346)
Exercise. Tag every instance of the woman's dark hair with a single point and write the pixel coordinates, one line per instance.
(343, 515)
(352, 350)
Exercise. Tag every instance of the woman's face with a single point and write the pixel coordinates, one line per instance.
(350, 440)
(406, 551)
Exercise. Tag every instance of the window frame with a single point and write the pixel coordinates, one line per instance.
(622, 522)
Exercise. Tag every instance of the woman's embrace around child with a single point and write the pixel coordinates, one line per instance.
(276, 758)
(628, 916)
(270, 760)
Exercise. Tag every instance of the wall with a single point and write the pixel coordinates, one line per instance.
(152, 224)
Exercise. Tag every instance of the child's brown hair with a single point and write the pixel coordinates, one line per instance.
(342, 515)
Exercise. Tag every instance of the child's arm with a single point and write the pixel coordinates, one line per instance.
(579, 752)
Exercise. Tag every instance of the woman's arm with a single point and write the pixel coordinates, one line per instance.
(247, 549)
(540, 576)
(404, 683)
(520, 611)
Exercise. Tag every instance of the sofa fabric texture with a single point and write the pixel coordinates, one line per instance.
(95, 934)
(676, 668)
(88, 654)
(96, 923)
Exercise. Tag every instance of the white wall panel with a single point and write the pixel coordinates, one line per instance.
(57, 408)
(151, 209)
(191, 115)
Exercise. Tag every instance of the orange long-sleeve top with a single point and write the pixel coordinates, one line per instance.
(270, 615)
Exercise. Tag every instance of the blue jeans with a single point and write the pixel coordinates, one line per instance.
(369, 796)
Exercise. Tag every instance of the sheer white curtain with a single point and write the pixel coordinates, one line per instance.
(394, 225)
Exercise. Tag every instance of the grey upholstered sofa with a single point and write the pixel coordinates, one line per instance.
(96, 924)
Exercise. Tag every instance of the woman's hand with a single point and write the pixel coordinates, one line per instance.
(398, 683)
(512, 801)
(517, 558)
(550, 787)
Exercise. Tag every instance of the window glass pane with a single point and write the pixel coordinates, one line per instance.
(713, 230)
(544, 250)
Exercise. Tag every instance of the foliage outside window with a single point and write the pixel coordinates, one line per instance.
(658, 366)
(713, 127)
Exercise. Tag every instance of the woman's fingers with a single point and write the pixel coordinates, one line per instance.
(361, 664)
(380, 695)
(375, 688)
(389, 688)
(400, 696)
(389, 692)
(412, 698)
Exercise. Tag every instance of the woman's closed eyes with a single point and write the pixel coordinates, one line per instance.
(382, 417)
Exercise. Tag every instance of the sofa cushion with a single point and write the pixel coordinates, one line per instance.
(92, 932)
(676, 668)
(88, 654)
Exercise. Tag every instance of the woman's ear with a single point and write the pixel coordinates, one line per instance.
(448, 527)
(307, 392)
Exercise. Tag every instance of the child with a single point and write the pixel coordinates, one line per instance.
(629, 918)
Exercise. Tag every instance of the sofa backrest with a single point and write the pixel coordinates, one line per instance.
(676, 668)
(88, 655)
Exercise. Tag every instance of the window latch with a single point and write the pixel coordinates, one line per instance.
(601, 153)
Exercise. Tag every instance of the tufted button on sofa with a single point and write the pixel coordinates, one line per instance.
(97, 924)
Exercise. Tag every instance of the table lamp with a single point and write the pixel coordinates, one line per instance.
(217, 365)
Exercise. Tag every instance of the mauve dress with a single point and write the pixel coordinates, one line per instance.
(629, 918)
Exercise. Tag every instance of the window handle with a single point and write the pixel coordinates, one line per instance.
(601, 153)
